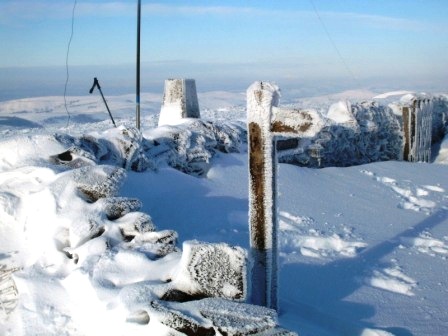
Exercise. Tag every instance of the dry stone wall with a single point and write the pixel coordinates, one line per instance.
(369, 132)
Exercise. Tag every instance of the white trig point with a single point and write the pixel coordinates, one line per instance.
(266, 121)
(180, 101)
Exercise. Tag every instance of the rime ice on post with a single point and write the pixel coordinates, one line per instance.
(265, 121)
(417, 129)
(262, 194)
(180, 101)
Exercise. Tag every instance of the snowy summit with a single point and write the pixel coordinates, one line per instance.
(116, 231)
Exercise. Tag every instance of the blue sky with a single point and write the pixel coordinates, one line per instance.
(370, 43)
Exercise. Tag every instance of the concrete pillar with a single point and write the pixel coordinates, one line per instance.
(180, 101)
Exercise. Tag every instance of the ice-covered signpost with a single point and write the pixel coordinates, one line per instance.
(266, 121)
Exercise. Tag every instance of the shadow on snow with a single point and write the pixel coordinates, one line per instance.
(327, 285)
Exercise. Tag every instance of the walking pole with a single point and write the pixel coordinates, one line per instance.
(96, 83)
(137, 113)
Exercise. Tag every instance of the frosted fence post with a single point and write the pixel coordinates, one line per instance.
(261, 97)
(417, 130)
(405, 112)
(426, 108)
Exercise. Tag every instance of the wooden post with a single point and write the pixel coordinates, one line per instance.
(262, 200)
(406, 114)
(265, 121)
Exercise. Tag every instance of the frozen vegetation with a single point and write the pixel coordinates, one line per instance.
(112, 231)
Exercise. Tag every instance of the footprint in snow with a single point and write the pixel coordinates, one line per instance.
(290, 222)
(367, 172)
(434, 188)
(392, 279)
(415, 202)
(412, 197)
(425, 243)
(298, 239)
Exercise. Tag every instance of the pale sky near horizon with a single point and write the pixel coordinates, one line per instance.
(358, 42)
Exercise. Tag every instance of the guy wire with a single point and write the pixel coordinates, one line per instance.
(349, 70)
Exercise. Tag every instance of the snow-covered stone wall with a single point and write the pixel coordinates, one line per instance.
(88, 252)
(358, 133)
(187, 147)
(439, 118)
(351, 134)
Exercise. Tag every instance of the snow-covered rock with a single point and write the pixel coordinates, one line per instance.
(191, 145)
(116, 207)
(121, 146)
(216, 317)
(98, 181)
(154, 244)
(8, 292)
(188, 146)
(212, 270)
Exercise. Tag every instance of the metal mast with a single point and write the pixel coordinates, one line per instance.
(137, 115)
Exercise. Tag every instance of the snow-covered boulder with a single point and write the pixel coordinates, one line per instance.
(116, 207)
(98, 181)
(74, 157)
(127, 149)
(8, 291)
(191, 145)
(121, 146)
(214, 316)
(134, 224)
(212, 270)
(154, 244)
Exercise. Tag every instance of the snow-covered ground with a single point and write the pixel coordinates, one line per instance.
(364, 249)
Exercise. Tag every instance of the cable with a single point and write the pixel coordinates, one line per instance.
(349, 70)
(66, 64)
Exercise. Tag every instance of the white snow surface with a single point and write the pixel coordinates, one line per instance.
(341, 112)
(363, 249)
